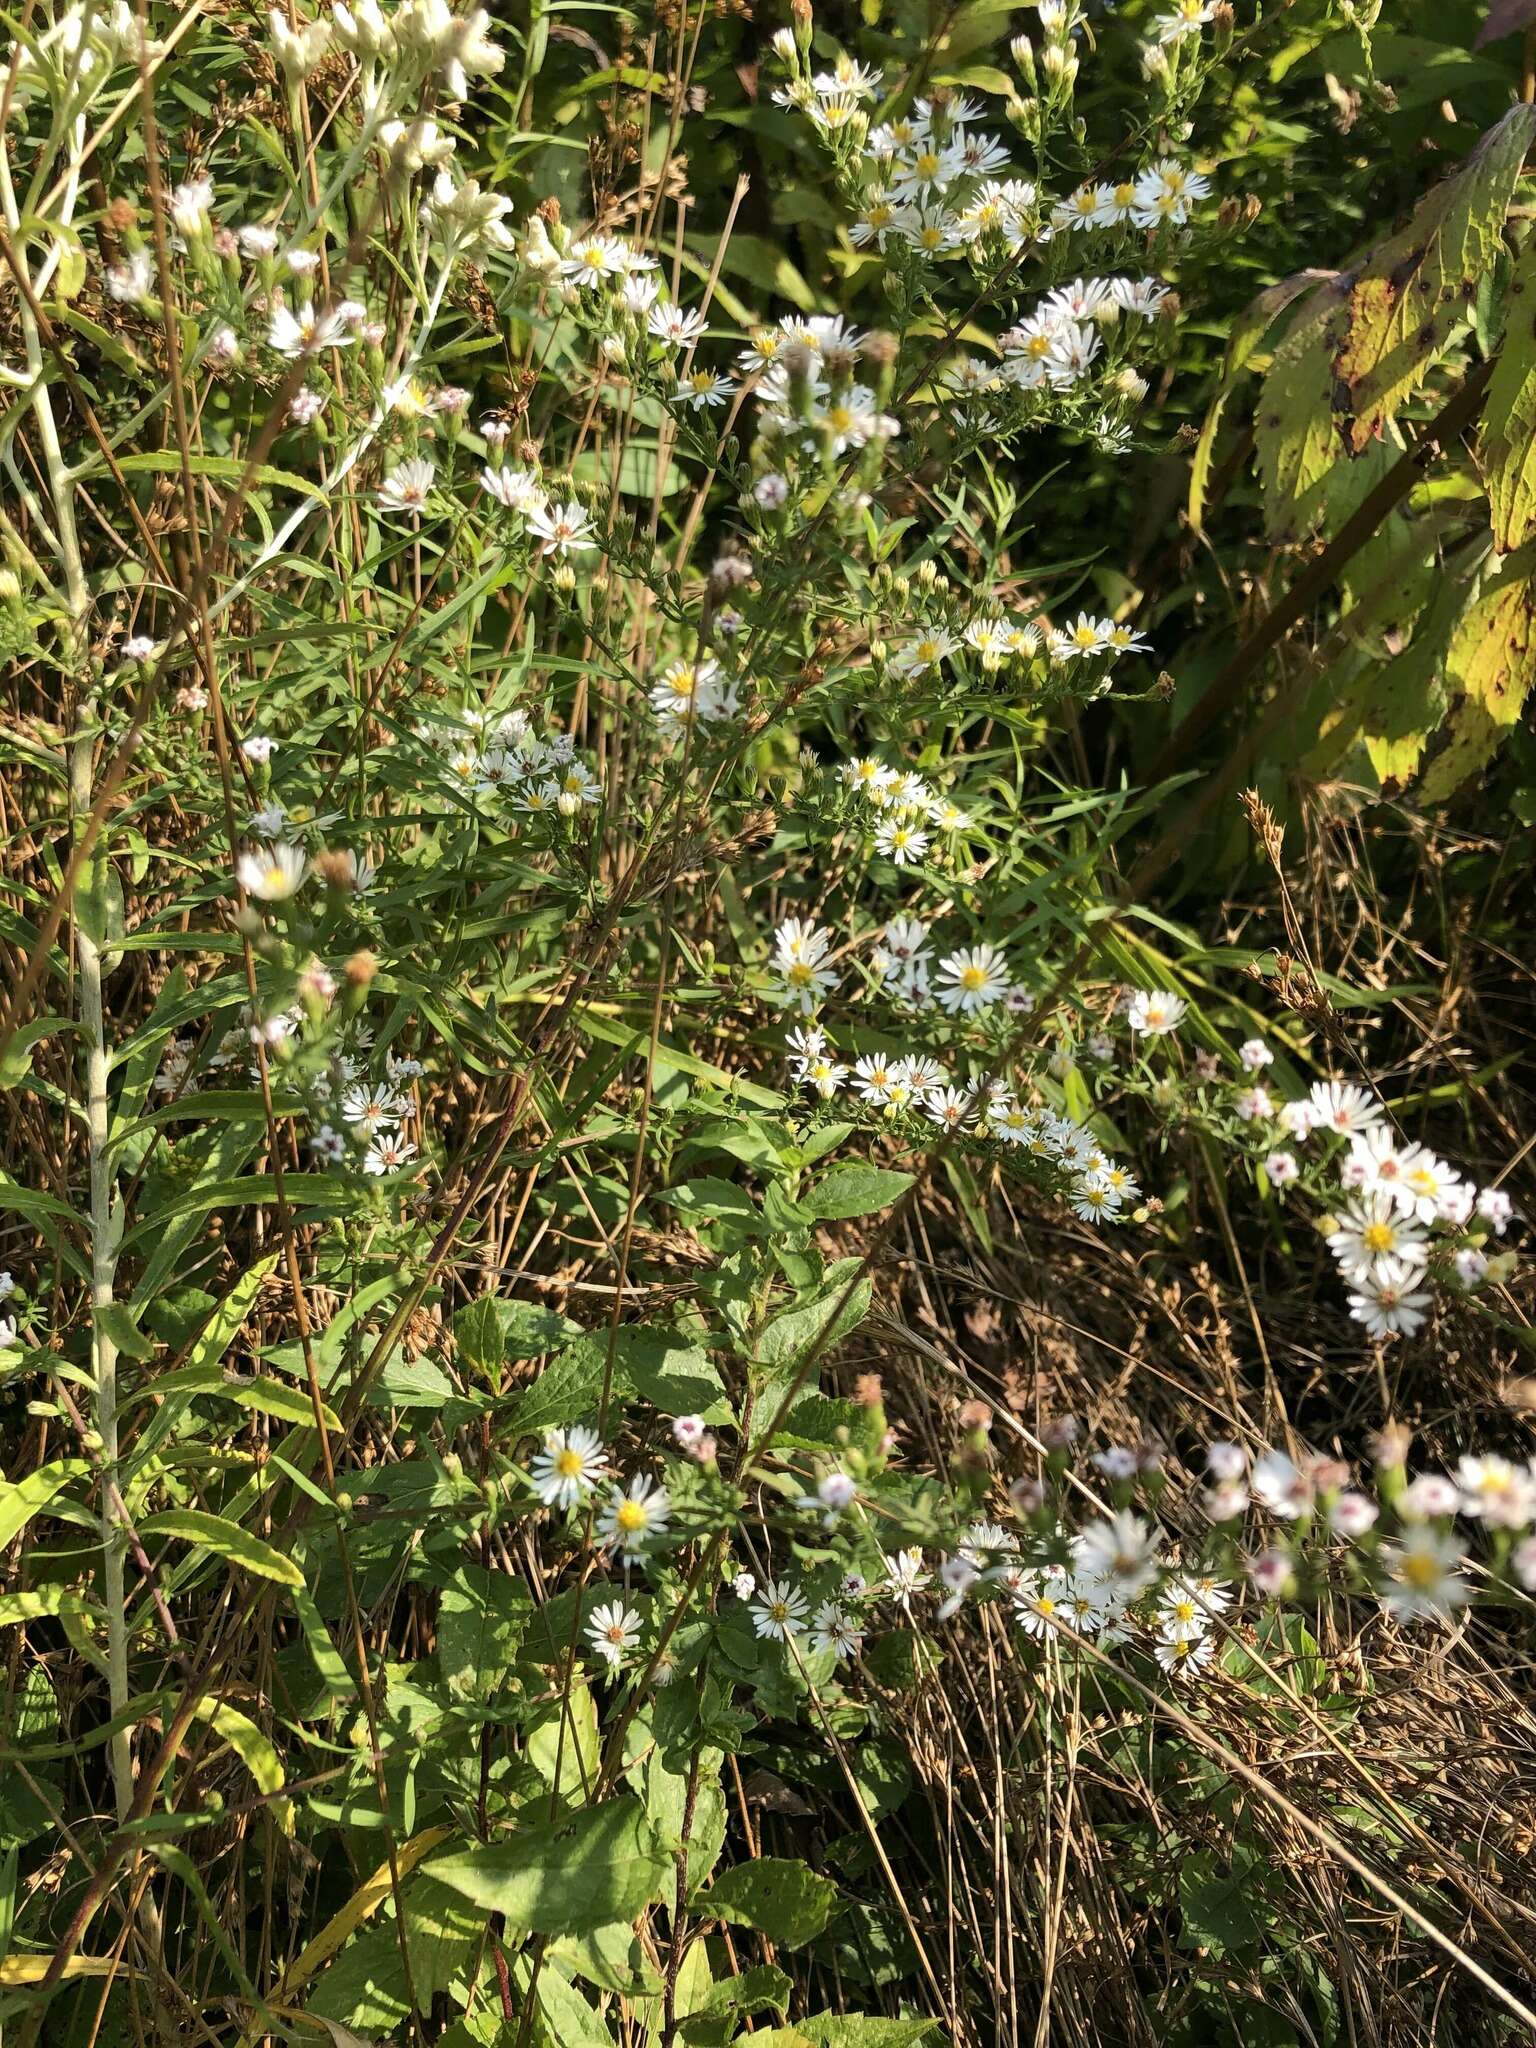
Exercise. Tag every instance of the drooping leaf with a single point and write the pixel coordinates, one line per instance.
(227, 1539)
(1508, 438)
(21, 1499)
(255, 1751)
(778, 1895)
(604, 1865)
(1415, 290)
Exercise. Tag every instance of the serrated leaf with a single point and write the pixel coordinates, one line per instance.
(1490, 664)
(1508, 437)
(1221, 1901)
(1295, 440)
(1415, 290)
(850, 1191)
(820, 1323)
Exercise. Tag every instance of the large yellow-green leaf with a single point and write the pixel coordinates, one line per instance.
(1294, 434)
(1415, 291)
(1252, 325)
(1490, 665)
(255, 1750)
(1508, 442)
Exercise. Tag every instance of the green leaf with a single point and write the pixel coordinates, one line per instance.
(225, 469)
(820, 1322)
(1220, 1901)
(779, 1896)
(856, 2030)
(226, 1539)
(17, 1062)
(22, 1499)
(218, 1332)
(717, 1201)
(39, 1604)
(254, 1750)
(849, 1191)
(1508, 436)
(1490, 665)
(1412, 294)
(116, 1318)
(411, 1383)
(264, 1396)
(566, 1391)
(604, 1865)
(481, 1617)
(490, 1331)
(674, 1375)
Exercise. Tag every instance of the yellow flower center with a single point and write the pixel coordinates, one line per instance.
(1378, 1237)
(631, 1516)
(570, 1464)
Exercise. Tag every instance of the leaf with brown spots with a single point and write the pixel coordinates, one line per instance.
(1490, 664)
(1415, 291)
(1508, 441)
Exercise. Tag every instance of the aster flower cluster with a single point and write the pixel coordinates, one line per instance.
(1118, 1580)
(505, 767)
(933, 186)
(1399, 1215)
(1413, 1561)
(1397, 1218)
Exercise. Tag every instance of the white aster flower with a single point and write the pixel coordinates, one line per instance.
(571, 1463)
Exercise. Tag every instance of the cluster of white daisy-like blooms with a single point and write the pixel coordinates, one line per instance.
(1424, 1571)
(1396, 1216)
(1404, 1215)
(504, 766)
(1118, 1580)
(918, 1091)
(933, 186)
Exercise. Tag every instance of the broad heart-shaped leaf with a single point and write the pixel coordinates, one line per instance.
(228, 1539)
(1222, 1902)
(606, 1864)
(1490, 665)
(1508, 442)
(850, 1191)
(490, 1331)
(1416, 290)
(779, 1896)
